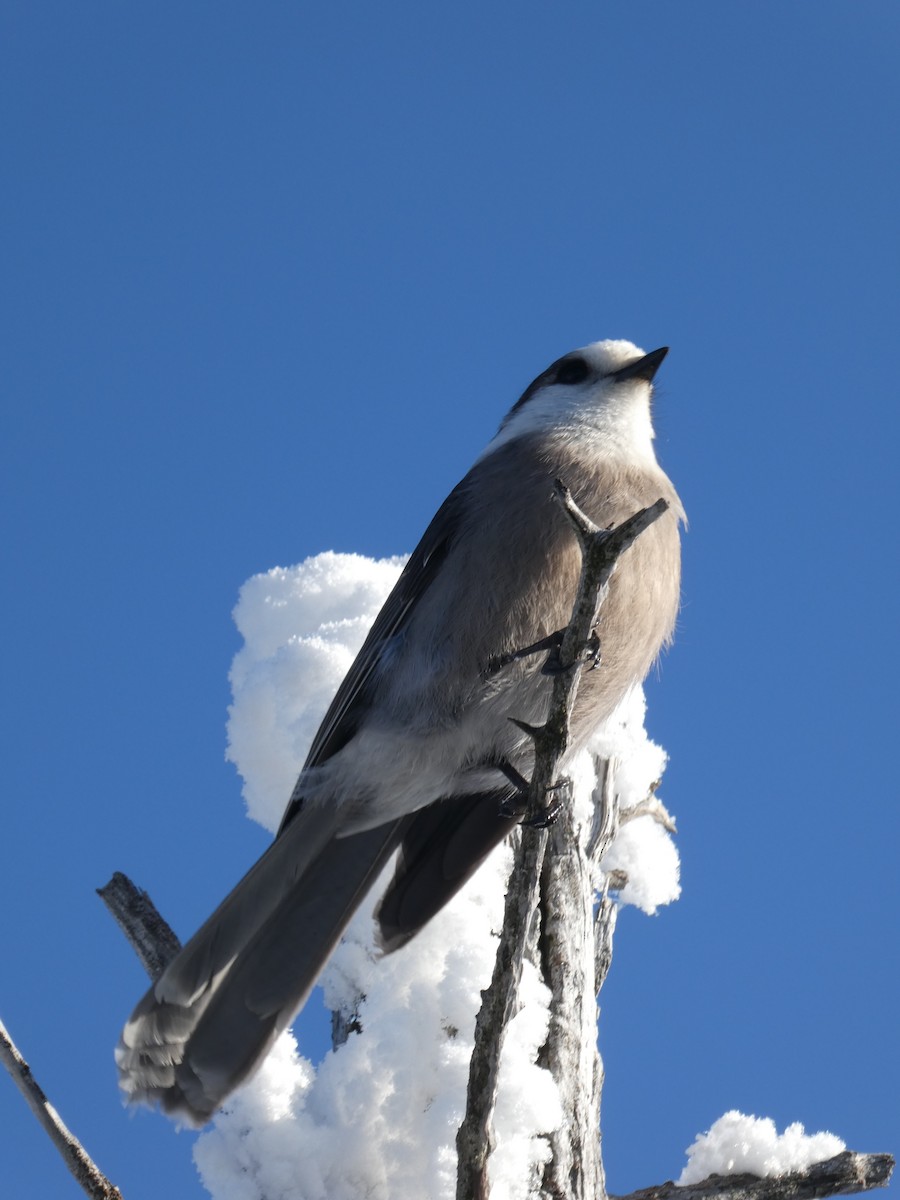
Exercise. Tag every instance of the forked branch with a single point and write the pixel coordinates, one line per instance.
(601, 550)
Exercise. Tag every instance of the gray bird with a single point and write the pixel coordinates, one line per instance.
(417, 749)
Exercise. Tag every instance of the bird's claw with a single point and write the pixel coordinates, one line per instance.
(589, 656)
(544, 819)
(513, 807)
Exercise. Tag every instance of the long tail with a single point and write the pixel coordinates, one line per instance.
(218, 1007)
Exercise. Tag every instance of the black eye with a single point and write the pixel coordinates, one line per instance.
(572, 370)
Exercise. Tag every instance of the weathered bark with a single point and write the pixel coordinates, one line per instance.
(76, 1158)
(566, 912)
(475, 1139)
(577, 943)
(571, 1055)
(842, 1175)
(151, 937)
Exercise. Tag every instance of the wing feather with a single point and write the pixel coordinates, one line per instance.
(352, 697)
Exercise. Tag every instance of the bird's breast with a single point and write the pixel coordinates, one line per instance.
(510, 579)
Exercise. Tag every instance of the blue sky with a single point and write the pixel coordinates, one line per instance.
(271, 275)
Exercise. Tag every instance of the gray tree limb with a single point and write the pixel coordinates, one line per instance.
(842, 1175)
(564, 883)
(150, 936)
(568, 966)
(156, 945)
(572, 968)
(475, 1138)
(76, 1158)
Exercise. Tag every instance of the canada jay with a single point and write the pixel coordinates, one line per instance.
(417, 749)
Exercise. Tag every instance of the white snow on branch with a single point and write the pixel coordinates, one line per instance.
(643, 850)
(302, 627)
(737, 1144)
(378, 1118)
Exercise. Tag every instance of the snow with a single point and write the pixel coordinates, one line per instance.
(738, 1144)
(643, 850)
(379, 1117)
(302, 627)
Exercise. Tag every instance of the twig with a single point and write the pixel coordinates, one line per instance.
(474, 1139)
(156, 945)
(600, 550)
(842, 1175)
(76, 1158)
(602, 836)
(653, 807)
(151, 937)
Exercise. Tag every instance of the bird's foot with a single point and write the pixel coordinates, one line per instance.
(514, 806)
(589, 656)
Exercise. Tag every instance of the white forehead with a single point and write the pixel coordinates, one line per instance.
(610, 355)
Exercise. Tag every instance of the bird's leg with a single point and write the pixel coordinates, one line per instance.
(551, 642)
(514, 805)
(590, 654)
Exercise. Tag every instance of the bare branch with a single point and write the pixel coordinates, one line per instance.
(842, 1175)
(156, 945)
(578, 1152)
(651, 807)
(151, 937)
(568, 967)
(600, 549)
(474, 1138)
(76, 1158)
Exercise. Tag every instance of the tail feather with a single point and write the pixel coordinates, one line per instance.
(272, 979)
(188, 979)
(216, 1010)
(238, 982)
(443, 846)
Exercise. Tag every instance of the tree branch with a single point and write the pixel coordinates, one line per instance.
(575, 1162)
(570, 1053)
(600, 551)
(76, 1158)
(842, 1175)
(475, 1138)
(150, 936)
(155, 944)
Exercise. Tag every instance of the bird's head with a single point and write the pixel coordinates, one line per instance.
(599, 394)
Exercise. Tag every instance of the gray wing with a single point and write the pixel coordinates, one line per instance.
(352, 698)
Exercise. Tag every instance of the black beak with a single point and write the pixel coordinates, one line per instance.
(642, 368)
